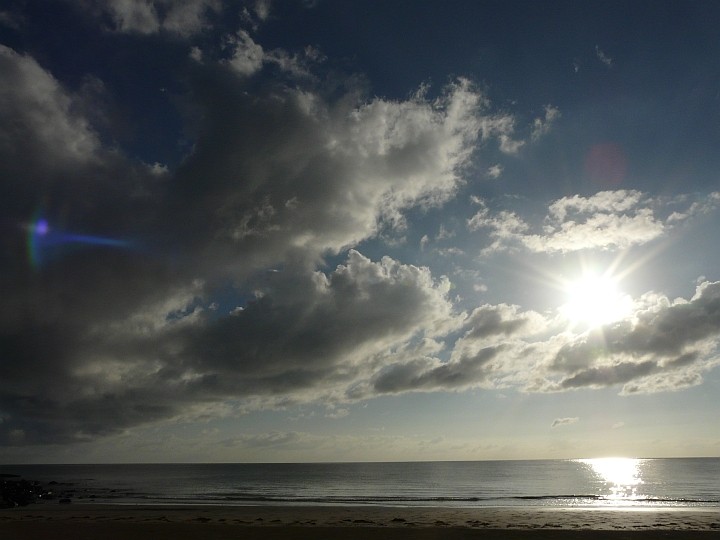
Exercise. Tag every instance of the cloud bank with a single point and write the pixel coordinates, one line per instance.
(136, 293)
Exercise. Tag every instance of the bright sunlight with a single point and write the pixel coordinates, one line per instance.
(594, 301)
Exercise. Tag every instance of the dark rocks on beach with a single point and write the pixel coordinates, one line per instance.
(16, 491)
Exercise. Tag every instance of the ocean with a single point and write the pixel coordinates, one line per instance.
(603, 483)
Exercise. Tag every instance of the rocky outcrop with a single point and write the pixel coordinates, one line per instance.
(16, 491)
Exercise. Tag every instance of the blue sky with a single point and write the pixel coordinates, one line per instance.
(345, 231)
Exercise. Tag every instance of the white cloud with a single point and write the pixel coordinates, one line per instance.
(247, 56)
(495, 171)
(607, 220)
(599, 231)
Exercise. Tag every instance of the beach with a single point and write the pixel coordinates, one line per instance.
(179, 522)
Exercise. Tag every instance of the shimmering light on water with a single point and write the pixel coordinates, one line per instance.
(617, 483)
(621, 476)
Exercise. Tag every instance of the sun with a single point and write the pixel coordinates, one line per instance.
(594, 300)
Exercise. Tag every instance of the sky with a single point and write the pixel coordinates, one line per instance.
(314, 230)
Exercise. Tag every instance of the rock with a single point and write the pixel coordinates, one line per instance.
(16, 491)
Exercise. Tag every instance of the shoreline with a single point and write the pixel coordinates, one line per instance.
(110, 521)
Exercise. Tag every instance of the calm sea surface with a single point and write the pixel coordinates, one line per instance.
(607, 482)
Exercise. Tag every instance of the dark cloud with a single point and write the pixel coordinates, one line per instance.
(431, 374)
(485, 353)
(287, 173)
(610, 375)
(487, 321)
(306, 336)
(97, 339)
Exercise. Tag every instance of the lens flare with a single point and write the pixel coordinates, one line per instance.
(42, 227)
(42, 239)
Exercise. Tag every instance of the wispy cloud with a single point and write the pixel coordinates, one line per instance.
(559, 422)
(542, 126)
(604, 58)
(607, 220)
(145, 17)
(495, 171)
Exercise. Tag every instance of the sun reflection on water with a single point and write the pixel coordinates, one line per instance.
(621, 476)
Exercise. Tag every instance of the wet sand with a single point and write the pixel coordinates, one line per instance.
(114, 522)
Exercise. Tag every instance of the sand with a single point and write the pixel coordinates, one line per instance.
(114, 522)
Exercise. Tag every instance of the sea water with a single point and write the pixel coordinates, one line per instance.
(606, 483)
